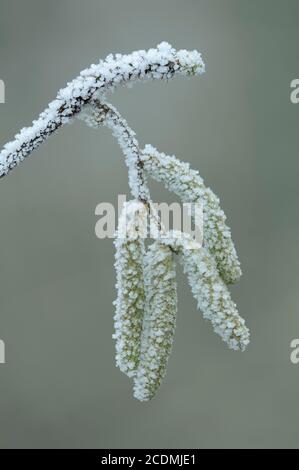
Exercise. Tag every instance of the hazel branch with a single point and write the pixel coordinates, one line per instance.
(161, 63)
(146, 303)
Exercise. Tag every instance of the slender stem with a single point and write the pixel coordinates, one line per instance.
(126, 137)
(102, 113)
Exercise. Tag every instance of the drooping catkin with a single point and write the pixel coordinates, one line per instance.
(179, 178)
(159, 320)
(212, 295)
(130, 302)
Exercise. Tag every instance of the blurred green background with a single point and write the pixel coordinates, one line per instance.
(237, 126)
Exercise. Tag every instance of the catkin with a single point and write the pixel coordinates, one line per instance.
(179, 178)
(130, 301)
(213, 297)
(159, 320)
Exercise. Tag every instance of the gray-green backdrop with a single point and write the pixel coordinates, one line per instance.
(236, 124)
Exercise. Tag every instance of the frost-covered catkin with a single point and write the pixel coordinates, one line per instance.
(159, 321)
(189, 186)
(130, 302)
(213, 297)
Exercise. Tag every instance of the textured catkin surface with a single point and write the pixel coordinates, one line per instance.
(213, 297)
(129, 304)
(130, 286)
(189, 186)
(159, 320)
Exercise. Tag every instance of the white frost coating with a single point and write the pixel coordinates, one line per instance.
(130, 302)
(146, 301)
(189, 186)
(159, 320)
(212, 295)
(161, 63)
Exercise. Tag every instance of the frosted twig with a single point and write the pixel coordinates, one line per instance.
(162, 63)
(102, 113)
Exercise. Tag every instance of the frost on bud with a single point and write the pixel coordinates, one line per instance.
(159, 320)
(130, 300)
(179, 178)
(213, 297)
